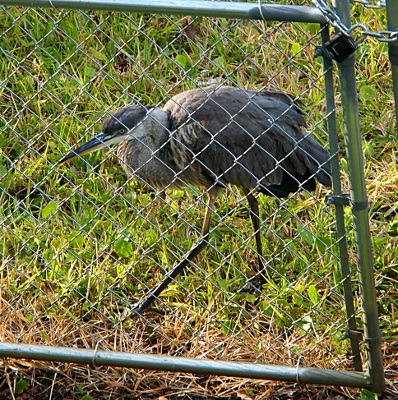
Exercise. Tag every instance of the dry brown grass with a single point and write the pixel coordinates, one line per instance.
(49, 380)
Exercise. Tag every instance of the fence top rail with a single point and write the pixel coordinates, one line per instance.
(275, 12)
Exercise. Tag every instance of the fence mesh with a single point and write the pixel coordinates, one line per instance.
(82, 243)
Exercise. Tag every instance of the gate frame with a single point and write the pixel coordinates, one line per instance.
(373, 377)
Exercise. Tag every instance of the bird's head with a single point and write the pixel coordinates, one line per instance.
(125, 123)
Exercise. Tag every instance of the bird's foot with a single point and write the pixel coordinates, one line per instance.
(139, 309)
(254, 285)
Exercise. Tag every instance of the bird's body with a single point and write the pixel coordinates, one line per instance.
(221, 135)
(218, 136)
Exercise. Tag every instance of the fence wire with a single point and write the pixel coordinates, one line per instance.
(82, 243)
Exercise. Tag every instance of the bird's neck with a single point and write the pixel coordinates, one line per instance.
(145, 153)
(156, 127)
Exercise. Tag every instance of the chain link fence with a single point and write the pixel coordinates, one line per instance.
(82, 243)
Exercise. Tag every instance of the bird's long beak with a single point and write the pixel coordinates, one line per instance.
(94, 144)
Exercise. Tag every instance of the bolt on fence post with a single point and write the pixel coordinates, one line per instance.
(339, 208)
(349, 99)
(392, 24)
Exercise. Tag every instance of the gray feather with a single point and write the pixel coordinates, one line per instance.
(244, 137)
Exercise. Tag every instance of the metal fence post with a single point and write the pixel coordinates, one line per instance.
(339, 208)
(359, 204)
(392, 23)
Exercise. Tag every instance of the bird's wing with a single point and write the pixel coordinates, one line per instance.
(246, 138)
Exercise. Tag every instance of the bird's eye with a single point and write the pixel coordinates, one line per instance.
(122, 131)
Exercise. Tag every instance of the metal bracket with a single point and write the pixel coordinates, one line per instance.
(355, 335)
(360, 205)
(342, 199)
(340, 47)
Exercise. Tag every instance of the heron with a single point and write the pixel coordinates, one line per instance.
(213, 137)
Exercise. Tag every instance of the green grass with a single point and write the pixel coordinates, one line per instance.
(81, 242)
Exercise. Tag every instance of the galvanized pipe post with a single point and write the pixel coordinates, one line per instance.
(339, 208)
(392, 24)
(359, 204)
(199, 366)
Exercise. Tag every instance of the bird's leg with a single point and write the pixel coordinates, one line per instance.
(254, 215)
(211, 199)
(195, 250)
